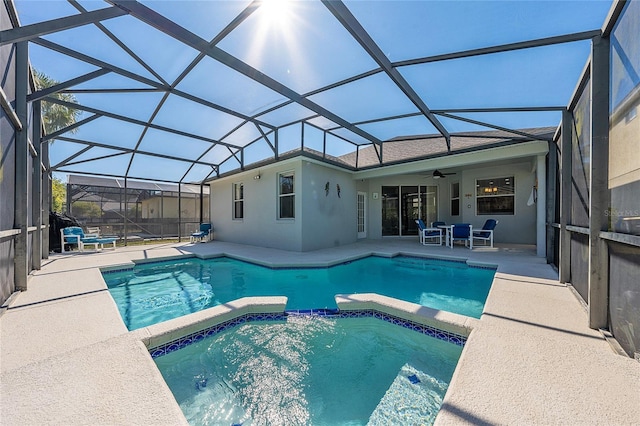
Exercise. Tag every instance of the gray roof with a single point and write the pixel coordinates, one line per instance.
(427, 146)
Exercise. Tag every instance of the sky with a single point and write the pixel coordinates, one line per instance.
(301, 45)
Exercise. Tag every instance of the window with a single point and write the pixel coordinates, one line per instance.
(495, 196)
(286, 195)
(238, 201)
(455, 199)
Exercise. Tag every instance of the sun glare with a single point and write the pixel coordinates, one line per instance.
(276, 11)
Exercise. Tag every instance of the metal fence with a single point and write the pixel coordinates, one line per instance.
(137, 210)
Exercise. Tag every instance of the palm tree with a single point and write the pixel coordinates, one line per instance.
(54, 116)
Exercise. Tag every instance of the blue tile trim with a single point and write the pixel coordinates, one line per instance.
(185, 341)
(180, 258)
(113, 271)
(491, 268)
(409, 256)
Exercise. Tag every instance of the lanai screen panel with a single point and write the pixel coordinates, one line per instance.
(211, 83)
(624, 137)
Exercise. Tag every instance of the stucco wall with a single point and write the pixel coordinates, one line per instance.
(329, 220)
(260, 225)
(326, 220)
(517, 229)
(321, 220)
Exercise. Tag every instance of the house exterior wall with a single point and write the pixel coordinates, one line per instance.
(329, 219)
(321, 220)
(519, 228)
(260, 225)
(167, 207)
(325, 220)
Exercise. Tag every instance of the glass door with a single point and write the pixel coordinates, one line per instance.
(429, 204)
(410, 209)
(402, 205)
(390, 211)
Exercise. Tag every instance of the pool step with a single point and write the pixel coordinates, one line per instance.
(414, 397)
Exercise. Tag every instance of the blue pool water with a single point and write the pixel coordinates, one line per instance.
(312, 370)
(148, 294)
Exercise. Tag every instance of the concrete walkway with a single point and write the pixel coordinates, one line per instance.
(67, 358)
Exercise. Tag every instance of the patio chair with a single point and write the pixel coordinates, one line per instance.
(93, 230)
(486, 234)
(443, 228)
(74, 235)
(462, 232)
(429, 236)
(205, 231)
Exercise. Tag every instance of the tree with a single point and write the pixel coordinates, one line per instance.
(58, 195)
(86, 210)
(54, 116)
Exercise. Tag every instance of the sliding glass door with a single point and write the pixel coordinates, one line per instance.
(402, 205)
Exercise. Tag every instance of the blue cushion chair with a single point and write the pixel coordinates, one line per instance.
(205, 231)
(443, 228)
(429, 236)
(462, 232)
(486, 234)
(74, 235)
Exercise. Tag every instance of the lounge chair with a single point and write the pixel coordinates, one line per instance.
(462, 232)
(205, 231)
(74, 235)
(429, 236)
(486, 234)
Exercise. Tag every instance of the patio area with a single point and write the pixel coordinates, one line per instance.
(67, 357)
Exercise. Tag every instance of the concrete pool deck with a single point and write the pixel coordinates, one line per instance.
(66, 357)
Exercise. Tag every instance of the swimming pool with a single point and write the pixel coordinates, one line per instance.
(311, 370)
(151, 293)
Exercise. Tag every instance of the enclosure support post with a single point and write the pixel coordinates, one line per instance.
(179, 213)
(565, 197)
(46, 198)
(201, 202)
(541, 206)
(599, 191)
(126, 211)
(552, 177)
(21, 211)
(36, 188)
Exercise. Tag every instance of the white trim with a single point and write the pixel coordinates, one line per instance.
(364, 195)
(476, 196)
(234, 201)
(291, 173)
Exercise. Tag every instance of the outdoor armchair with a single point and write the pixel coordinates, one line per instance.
(486, 234)
(205, 231)
(462, 232)
(429, 236)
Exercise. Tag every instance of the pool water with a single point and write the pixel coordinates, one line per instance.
(311, 370)
(148, 294)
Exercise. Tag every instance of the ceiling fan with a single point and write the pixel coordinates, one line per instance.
(437, 174)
